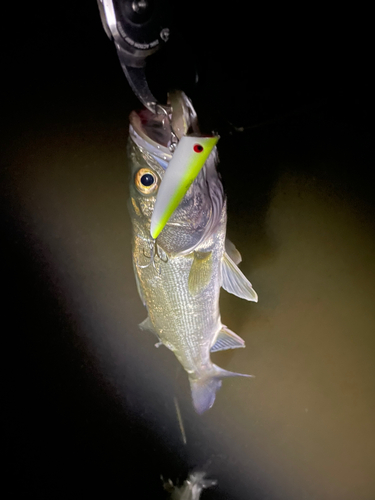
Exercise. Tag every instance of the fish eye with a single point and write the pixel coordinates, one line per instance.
(146, 181)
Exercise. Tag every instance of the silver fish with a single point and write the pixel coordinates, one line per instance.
(192, 487)
(180, 274)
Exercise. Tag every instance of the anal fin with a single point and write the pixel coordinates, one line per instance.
(227, 339)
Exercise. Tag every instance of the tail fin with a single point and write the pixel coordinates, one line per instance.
(203, 389)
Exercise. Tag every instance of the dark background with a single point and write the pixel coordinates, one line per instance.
(275, 84)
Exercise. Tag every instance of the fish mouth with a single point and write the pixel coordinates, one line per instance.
(158, 132)
(153, 133)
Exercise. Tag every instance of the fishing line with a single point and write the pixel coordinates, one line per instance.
(177, 407)
(271, 121)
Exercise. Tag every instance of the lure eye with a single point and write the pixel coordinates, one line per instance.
(198, 148)
(146, 181)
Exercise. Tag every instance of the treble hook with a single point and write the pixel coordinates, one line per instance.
(154, 252)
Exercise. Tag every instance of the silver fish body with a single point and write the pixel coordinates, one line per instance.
(179, 275)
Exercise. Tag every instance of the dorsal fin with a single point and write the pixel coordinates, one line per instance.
(232, 251)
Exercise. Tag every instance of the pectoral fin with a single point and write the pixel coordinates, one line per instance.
(227, 339)
(235, 282)
(200, 272)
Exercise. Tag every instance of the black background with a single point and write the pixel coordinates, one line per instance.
(259, 69)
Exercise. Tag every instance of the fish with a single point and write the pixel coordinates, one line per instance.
(180, 273)
(191, 488)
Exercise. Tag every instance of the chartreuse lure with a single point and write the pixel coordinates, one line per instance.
(188, 159)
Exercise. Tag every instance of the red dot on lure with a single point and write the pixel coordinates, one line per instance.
(198, 148)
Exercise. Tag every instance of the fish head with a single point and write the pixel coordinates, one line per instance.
(199, 211)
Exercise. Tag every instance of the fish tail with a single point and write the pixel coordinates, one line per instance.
(203, 388)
